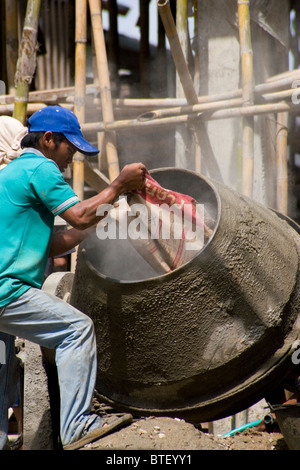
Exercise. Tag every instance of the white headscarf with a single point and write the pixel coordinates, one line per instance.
(11, 134)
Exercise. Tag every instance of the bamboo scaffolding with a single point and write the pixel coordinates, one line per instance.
(26, 63)
(210, 106)
(104, 84)
(82, 171)
(189, 109)
(201, 138)
(281, 162)
(52, 95)
(170, 106)
(177, 53)
(262, 92)
(247, 95)
(129, 124)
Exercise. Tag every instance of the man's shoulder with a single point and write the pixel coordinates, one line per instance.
(33, 155)
(33, 159)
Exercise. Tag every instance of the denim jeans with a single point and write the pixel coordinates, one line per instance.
(50, 322)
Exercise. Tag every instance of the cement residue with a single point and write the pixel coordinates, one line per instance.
(172, 434)
(157, 434)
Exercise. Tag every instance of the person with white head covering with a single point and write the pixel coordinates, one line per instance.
(12, 132)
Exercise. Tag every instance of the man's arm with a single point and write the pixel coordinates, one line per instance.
(65, 240)
(83, 214)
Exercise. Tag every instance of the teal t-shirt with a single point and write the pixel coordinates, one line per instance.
(32, 192)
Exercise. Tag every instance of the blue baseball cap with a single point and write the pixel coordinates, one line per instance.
(59, 119)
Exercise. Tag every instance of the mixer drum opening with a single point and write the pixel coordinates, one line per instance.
(123, 259)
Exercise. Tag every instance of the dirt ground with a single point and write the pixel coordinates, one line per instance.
(162, 433)
(173, 434)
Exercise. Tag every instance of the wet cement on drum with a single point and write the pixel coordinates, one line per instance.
(176, 341)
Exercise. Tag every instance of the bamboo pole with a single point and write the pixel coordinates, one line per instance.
(200, 134)
(129, 124)
(104, 83)
(62, 40)
(52, 95)
(189, 109)
(81, 169)
(210, 106)
(82, 172)
(48, 35)
(80, 85)
(283, 75)
(54, 44)
(177, 53)
(31, 108)
(182, 135)
(197, 45)
(27, 59)
(11, 26)
(281, 162)
(247, 94)
(161, 58)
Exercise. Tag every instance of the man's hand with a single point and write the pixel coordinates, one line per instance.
(131, 177)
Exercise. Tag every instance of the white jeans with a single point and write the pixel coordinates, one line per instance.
(50, 322)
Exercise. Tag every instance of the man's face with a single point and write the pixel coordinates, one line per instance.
(60, 152)
(63, 154)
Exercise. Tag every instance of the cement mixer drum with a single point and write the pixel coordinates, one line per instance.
(209, 338)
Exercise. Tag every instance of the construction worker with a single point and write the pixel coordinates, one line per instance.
(32, 192)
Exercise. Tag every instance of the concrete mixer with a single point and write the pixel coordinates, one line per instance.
(211, 337)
